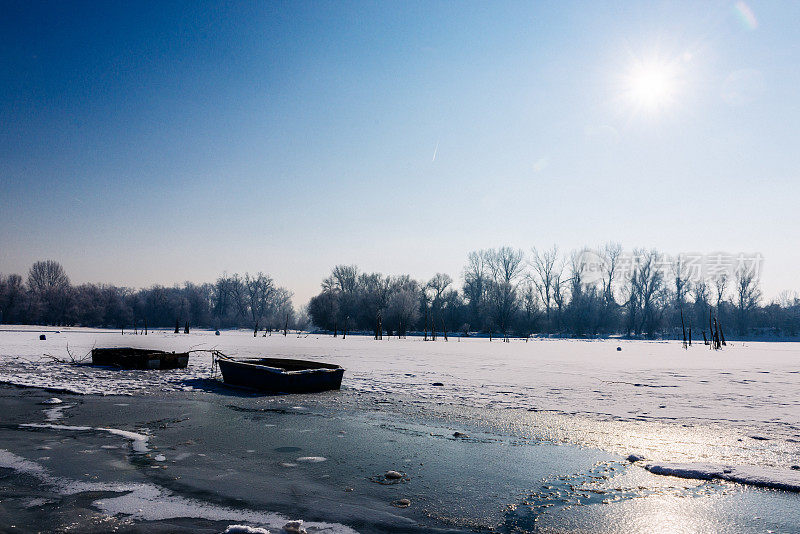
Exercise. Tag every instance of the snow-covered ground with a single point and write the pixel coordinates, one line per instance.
(752, 383)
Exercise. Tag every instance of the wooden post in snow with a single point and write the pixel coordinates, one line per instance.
(683, 326)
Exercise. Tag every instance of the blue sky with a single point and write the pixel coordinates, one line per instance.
(169, 141)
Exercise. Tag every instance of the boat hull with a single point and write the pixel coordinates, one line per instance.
(281, 376)
(130, 358)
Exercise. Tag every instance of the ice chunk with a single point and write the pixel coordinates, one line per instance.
(244, 529)
(293, 527)
(766, 477)
(401, 503)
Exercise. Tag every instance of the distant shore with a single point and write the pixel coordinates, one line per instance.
(452, 336)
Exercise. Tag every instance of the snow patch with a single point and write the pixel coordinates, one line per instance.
(244, 529)
(138, 441)
(56, 413)
(9, 460)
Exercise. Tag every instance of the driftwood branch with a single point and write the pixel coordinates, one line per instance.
(71, 359)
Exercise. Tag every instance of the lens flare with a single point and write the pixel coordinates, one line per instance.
(746, 15)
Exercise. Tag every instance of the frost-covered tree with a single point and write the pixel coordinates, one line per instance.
(259, 291)
(51, 291)
(402, 312)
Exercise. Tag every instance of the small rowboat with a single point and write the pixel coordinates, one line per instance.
(280, 374)
(130, 358)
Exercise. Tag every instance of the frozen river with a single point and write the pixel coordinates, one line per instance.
(732, 414)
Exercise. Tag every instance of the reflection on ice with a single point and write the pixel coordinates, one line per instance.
(606, 483)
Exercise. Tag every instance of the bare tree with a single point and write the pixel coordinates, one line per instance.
(683, 285)
(701, 295)
(345, 278)
(531, 309)
(47, 275)
(280, 311)
(475, 286)
(50, 286)
(546, 276)
(450, 311)
(437, 286)
(505, 268)
(583, 305)
(720, 284)
(222, 299)
(373, 289)
(611, 255)
(432, 300)
(646, 292)
(259, 292)
(403, 310)
(747, 296)
(12, 295)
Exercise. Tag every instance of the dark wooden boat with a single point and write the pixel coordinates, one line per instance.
(280, 374)
(130, 358)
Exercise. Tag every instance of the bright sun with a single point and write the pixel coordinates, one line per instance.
(651, 86)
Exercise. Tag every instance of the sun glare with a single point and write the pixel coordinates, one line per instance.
(651, 86)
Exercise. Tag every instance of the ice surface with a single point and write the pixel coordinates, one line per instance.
(784, 479)
(748, 389)
(149, 502)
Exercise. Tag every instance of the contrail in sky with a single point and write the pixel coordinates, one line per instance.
(435, 151)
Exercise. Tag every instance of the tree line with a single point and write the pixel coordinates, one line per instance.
(499, 292)
(584, 293)
(47, 297)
